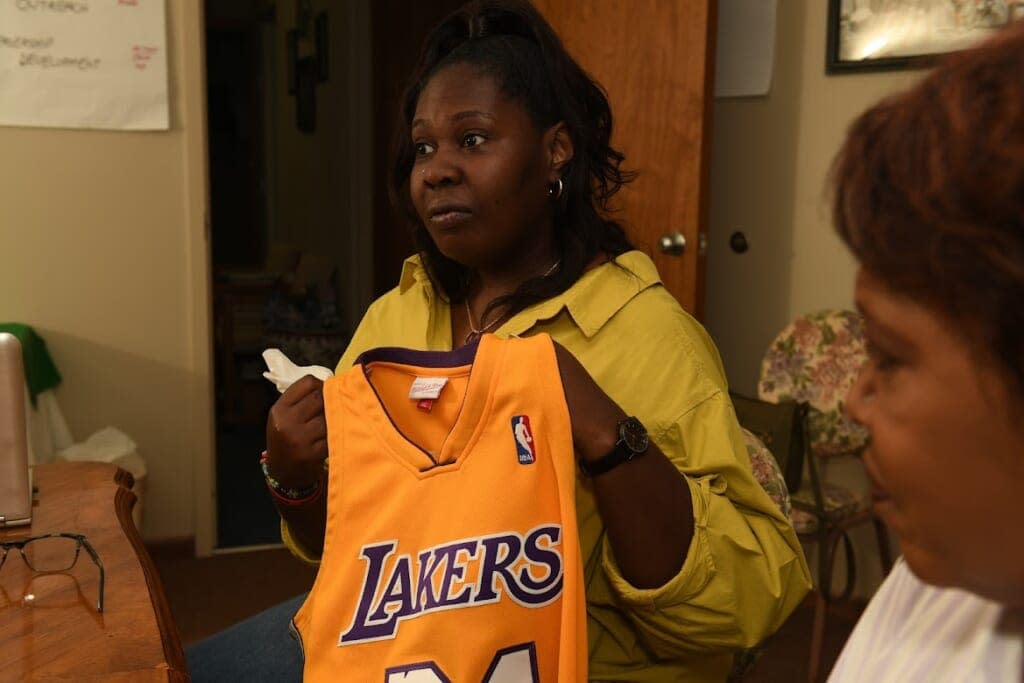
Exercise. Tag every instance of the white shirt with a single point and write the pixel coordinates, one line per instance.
(912, 631)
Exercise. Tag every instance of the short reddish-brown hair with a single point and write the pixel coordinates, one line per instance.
(928, 193)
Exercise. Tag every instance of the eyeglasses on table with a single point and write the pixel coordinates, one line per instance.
(52, 553)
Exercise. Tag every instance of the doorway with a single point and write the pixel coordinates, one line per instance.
(281, 212)
(301, 97)
(241, 66)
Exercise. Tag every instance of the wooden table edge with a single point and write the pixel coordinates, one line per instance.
(124, 501)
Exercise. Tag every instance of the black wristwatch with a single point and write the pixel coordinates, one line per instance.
(632, 443)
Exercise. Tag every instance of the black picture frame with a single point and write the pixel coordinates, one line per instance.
(944, 40)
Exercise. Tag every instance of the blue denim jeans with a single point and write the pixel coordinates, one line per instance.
(261, 648)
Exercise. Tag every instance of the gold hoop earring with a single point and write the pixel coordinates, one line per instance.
(555, 189)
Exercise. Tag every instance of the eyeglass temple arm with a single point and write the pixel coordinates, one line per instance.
(96, 558)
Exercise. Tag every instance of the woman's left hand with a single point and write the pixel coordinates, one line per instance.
(595, 416)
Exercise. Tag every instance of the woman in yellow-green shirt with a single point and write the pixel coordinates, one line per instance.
(504, 169)
(743, 572)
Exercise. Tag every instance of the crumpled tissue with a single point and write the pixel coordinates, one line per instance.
(283, 373)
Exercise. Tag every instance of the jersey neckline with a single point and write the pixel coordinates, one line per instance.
(482, 358)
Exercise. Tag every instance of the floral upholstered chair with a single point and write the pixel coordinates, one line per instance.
(815, 361)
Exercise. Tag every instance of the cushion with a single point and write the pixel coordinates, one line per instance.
(840, 503)
(766, 471)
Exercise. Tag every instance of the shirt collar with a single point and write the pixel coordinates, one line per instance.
(413, 273)
(597, 296)
(591, 302)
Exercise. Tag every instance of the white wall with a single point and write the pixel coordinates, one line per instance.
(104, 254)
(770, 159)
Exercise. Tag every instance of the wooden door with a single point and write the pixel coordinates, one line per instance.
(655, 59)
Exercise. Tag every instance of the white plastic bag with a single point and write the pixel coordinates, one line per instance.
(114, 446)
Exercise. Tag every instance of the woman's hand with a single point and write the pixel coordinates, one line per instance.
(297, 434)
(594, 415)
(296, 450)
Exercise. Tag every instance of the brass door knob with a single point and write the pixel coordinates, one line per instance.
(673, 245)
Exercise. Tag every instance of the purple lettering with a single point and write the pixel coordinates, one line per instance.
(361, 629)
(425, 583)
(495, 563)
(549, 587)
(399, 591)
(528, 570)
(453, 570)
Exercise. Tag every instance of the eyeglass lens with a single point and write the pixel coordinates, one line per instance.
(52, 554)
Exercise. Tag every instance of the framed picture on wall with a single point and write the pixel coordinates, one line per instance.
(876, 35)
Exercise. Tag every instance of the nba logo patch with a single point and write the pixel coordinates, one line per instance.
(524, 440)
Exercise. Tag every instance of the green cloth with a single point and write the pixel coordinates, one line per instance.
(40, 372)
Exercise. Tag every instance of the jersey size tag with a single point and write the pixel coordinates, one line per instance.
(525, 451)
(427, 387)
(425, 404)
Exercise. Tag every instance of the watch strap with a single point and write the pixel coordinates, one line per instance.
(616, 456)
(629, 430)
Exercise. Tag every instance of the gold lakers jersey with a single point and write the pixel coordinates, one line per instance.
(451, 551)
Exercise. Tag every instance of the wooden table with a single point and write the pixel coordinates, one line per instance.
(59, 635)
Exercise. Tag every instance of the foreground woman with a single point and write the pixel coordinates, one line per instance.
(930, 199)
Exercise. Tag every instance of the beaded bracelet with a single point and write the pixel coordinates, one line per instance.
(287, 496)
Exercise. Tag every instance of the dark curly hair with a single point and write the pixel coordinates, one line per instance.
(928, 193)
(511, 42)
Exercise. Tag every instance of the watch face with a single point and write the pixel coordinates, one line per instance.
(634, 434)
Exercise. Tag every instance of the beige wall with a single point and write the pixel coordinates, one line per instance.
(103, 253)
(770, 159)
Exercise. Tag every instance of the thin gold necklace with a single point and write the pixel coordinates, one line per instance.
(474, 331)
